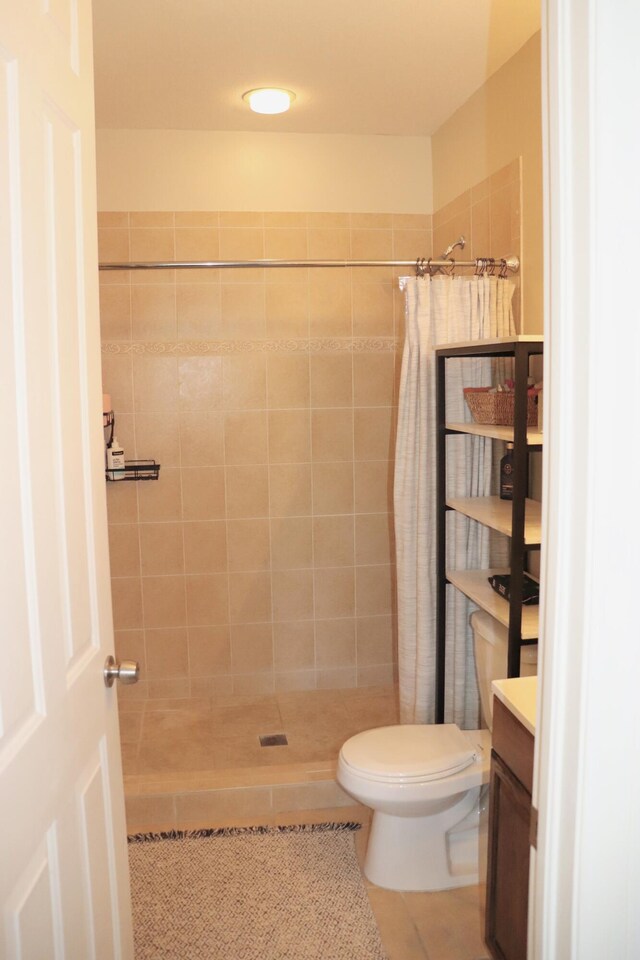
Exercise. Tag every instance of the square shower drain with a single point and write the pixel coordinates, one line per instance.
(274, 740)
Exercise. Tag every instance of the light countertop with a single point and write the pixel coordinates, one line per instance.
(519, 695)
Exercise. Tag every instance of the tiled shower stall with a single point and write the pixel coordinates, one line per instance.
(262, 558)
(254, 581)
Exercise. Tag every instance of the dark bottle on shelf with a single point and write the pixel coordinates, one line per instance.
(506, 474)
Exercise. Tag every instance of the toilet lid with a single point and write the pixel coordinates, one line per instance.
(409, 752)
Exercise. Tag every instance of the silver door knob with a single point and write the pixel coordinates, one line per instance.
(127, 671)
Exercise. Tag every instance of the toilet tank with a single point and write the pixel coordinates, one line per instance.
(490, 641)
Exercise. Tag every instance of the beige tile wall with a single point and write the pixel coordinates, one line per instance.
(262, 558)
(488, 215)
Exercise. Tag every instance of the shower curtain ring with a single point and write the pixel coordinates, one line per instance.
(503, 269)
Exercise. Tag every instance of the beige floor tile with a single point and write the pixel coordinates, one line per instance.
(255, 715)
(238, 751)
(131, 785)
(362, 837)
(129, 759)
(205, 823)
(179, 725)
(214, 805)
(320, 770)
(228, 777)
(450, 922)
(130, 726)
(151, 784)
(312, 709)
(312, 728)
(317, 698)
(195, 705)
(272, 774)
(348, 814)
(150, 813)
(320, 752)
(225, 732)
(399, 935)
(149, 826)
(174, 756)
(309, 796)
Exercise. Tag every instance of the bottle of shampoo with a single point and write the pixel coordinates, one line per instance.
(115, 460)
(506, 474)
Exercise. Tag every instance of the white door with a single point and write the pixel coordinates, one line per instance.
(63, 870)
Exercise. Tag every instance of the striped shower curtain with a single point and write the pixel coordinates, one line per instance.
(441, 310)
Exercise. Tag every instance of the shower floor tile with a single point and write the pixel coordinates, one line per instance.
(181, 757)
(168, 737)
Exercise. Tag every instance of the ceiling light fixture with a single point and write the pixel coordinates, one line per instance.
(269, 99)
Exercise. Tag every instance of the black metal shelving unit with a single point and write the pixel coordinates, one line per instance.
(525, 440)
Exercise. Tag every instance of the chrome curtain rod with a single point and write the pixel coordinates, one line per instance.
(421, 265)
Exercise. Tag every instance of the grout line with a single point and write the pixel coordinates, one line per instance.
(268, 442)
(313, 536)
(182, 528)
(354, 542)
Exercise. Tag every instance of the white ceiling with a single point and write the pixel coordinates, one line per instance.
(395, 67)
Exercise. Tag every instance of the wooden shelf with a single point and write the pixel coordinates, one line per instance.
(504, 343)
(496, 513)
(496, 432)
(474, 584)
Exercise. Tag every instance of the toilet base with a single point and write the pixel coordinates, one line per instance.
(418, 853)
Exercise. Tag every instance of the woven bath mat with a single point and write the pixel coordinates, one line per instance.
(255, 893)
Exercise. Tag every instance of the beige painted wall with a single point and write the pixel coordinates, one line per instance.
(499, 122)
(214, 170)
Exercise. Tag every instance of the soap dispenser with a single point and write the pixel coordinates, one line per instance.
(115, 460)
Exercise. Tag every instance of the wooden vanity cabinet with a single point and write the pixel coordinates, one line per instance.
(509, 836)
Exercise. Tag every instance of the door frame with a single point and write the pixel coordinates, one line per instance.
(586, 870)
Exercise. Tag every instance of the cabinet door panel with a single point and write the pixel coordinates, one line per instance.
(508, 866)
(513, 743)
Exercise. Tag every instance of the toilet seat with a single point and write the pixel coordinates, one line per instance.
(408, 753)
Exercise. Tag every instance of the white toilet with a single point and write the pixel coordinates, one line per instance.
(425, 784)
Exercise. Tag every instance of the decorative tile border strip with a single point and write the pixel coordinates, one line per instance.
(201, 348)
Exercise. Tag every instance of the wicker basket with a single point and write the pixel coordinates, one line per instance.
(497, 408)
